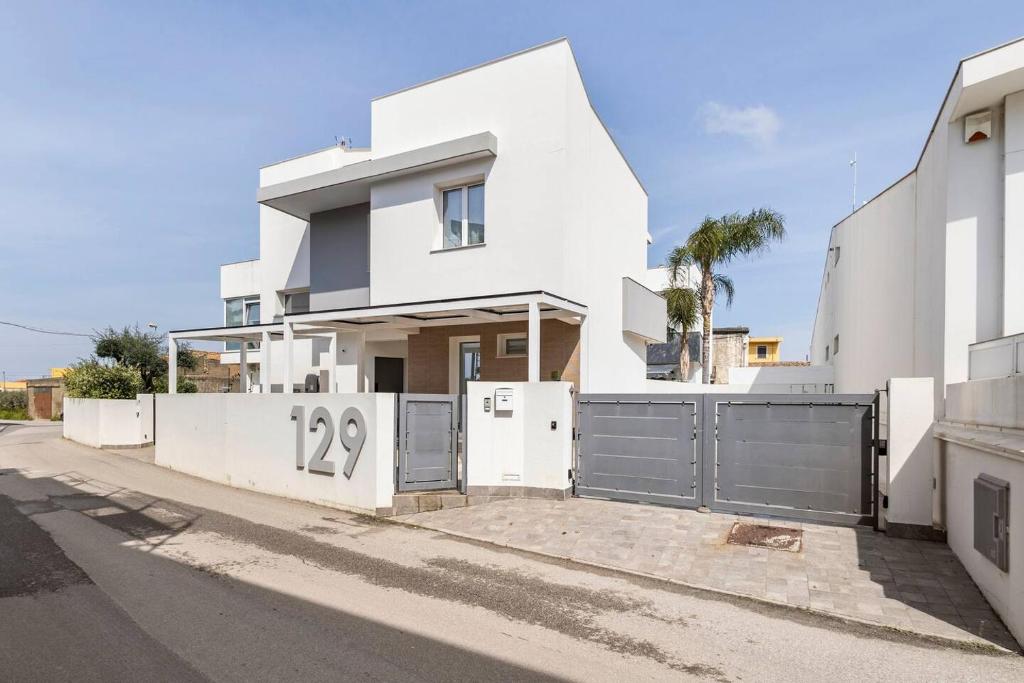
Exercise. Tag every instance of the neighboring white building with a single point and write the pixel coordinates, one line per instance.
(493, 230)
(936, 261)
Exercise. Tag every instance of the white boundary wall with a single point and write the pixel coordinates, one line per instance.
(109, 423)
(983, 432)
(909, 465)
(249, 441)
(518, 448)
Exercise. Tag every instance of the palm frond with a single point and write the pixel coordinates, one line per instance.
(678, 264)
(723, 285)
(683, 308)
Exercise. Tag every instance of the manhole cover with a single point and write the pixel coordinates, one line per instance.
(761, 536)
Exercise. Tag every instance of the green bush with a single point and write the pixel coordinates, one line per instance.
(185, 386)
(90, 379)
(13, 400)
(13, 405)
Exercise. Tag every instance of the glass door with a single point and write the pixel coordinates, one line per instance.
(469, 364)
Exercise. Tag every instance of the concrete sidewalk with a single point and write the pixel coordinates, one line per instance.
(858, 574)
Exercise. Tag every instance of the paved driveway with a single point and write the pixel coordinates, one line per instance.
(857, 574)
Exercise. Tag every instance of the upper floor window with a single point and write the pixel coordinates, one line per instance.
(243, 310)
(462, 211)
(296, 302)
(762, 352)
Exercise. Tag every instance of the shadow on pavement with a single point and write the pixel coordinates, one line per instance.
(219, 626)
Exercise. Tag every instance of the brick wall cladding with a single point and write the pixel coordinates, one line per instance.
(730, 352)
(428, 354)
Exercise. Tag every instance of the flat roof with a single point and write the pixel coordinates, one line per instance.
(350, 184)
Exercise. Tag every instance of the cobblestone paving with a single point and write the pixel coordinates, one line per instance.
(912, 585)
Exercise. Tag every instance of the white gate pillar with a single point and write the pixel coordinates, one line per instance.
(584, 354)
(289, 338)
(243, 367)
(172, 365)
(265, 363)
(332, 367)
(533, 342)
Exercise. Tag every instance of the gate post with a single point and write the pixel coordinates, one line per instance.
(708, 449)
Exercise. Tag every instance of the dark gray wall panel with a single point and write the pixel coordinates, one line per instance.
(339, 273)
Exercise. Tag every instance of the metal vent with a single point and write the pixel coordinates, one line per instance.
(991, 516)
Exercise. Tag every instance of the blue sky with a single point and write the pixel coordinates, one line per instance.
(132, 132)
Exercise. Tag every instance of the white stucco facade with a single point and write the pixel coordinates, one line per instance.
(565, 219)
(931, 264)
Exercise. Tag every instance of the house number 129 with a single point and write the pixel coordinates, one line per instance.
(353, 442)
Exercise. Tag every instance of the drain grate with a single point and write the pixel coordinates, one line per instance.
(761, 536)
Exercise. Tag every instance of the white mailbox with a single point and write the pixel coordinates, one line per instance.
(503, 399)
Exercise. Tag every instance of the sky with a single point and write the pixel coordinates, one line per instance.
(131, 134)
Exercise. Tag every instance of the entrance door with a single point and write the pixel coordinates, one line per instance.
(469, 364)
(389, 375)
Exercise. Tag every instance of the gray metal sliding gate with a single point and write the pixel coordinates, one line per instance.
(806, 456)
(427, 441)
(639, 447)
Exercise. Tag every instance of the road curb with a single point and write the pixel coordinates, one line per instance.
(931, 638)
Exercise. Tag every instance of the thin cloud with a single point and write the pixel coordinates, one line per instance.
(758, 124)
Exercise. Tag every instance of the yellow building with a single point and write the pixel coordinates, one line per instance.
(762, 350)
(58, 372)
(12, 385)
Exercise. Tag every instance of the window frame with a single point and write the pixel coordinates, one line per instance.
(501, 351)
(758, 354)
(247, 300)
(463, 190)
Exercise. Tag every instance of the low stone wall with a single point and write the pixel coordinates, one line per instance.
(109, 423)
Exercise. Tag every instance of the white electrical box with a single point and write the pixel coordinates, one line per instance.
(503, 399)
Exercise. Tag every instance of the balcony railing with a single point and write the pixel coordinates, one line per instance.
(1000, 357)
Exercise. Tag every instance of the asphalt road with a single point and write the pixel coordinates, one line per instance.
(114, 569)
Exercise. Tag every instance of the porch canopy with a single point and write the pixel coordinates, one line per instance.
(248, 333)
(398, 319)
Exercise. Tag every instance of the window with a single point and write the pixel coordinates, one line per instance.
(836, 261)
(512, 345)
(296, 302)
(252, 312)
(239, 311)
(462, 216)
(762, 352)
(826, 352)
(835, 346)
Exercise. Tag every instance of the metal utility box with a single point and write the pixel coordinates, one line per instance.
(991, 518)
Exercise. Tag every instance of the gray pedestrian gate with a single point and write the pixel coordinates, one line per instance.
(806, 456)
(427, 441)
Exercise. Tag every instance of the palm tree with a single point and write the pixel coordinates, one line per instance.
(715, 243)
(683, 309)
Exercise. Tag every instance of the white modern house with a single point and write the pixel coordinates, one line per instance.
(936, 261)
(493, 230)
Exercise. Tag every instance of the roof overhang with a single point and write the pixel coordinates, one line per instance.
(238, 333)
(385, 321)
(350, 184)
(410, 317)
(985, 79)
